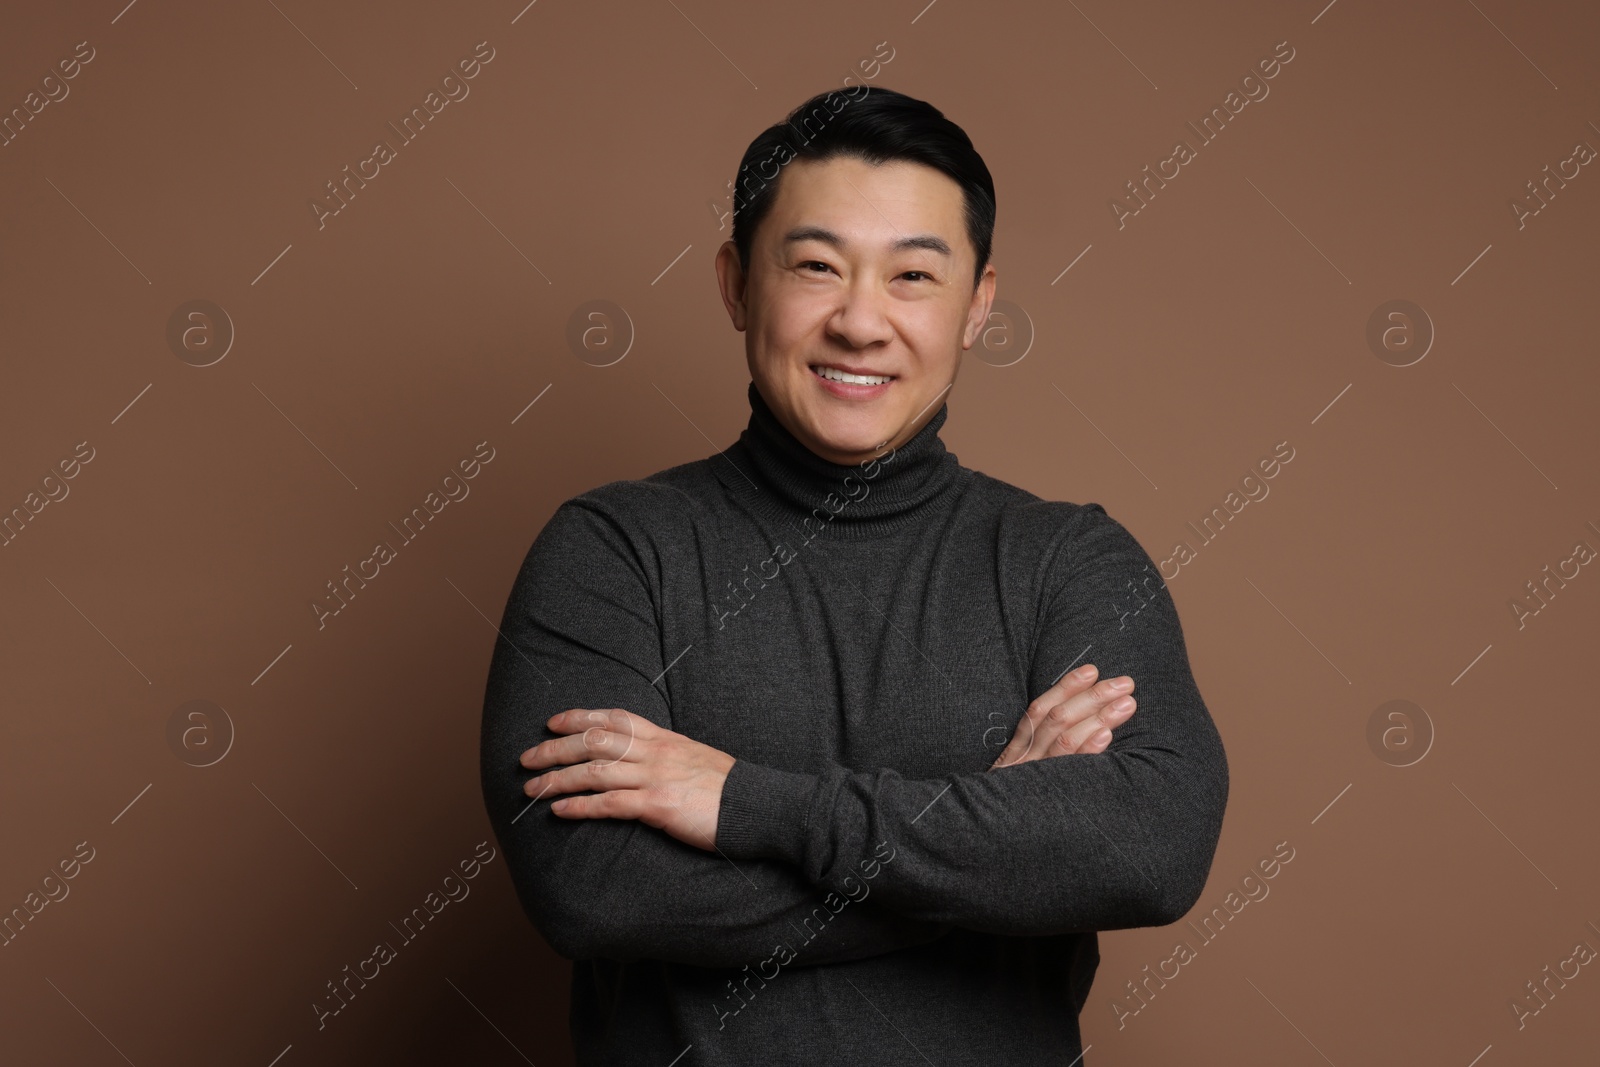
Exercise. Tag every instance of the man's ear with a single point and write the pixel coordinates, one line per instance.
(978, 309)
(731, 283)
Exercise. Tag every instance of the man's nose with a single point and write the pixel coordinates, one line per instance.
(862, 318)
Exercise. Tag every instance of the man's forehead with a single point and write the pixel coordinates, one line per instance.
(928, 242)
(841, 200)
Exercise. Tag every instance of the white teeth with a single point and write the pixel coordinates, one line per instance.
(853, 379)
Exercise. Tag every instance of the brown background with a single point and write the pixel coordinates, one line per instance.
(372, 354)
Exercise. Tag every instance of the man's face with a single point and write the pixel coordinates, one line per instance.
(862, 269)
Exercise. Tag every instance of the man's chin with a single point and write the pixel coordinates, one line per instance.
(859, 443)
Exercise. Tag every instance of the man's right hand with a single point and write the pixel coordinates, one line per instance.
(1072, 717)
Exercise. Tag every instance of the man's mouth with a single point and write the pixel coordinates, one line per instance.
(849, 377)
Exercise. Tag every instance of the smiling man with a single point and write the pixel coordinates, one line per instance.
(800, 752)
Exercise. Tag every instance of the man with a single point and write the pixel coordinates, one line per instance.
(798, 750)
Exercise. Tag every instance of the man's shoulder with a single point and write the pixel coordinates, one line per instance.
(650, 503)
(1026, 514)
(1067, 535)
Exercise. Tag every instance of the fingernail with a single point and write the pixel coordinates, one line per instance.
(1121, 685)
(1086, 671)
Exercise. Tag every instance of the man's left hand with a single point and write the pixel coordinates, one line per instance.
(638, 770)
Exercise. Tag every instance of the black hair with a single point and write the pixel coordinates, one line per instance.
(877, 126)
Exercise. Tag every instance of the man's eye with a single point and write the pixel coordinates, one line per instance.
(922, 273)
(815, 263)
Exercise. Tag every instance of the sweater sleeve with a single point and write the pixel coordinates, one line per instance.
(580, 630)
(1105, 841)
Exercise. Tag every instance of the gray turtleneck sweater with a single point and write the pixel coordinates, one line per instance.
(863, 641)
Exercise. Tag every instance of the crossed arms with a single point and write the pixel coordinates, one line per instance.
(1112, 836)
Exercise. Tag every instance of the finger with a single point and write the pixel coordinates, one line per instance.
(616, 805)
(599, 776)
(1085, 722)
(1066, 687)
(1096, 744)
(596, 742)
(1065, 728)
(618, 720)
(1022, 741)
(614, 720)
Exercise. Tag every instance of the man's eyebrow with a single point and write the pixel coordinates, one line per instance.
(928, 242)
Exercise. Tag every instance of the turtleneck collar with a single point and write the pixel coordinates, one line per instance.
(781, 478)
